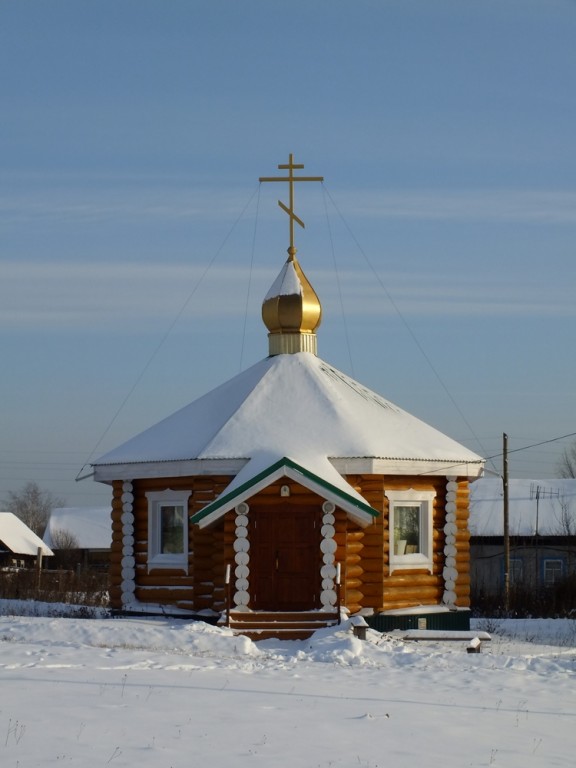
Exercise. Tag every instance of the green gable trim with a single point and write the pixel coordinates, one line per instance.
(285, 462)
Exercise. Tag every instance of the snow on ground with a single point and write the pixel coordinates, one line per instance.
(167, 693)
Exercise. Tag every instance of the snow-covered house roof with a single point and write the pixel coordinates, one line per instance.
(90, 526)
(18, 538)
(547, 507)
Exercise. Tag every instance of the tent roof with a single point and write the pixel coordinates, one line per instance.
(300, 407)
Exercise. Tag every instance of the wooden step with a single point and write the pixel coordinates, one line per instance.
(293, 625)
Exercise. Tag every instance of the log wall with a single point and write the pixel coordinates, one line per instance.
(363, 554)
(463, 544)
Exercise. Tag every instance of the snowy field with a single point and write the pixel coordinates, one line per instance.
(167, 694)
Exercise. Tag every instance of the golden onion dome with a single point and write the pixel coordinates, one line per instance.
(291, 310)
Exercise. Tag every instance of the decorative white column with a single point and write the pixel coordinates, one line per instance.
(450, 572)
(328, 596)
(242, 558)
(128, 584)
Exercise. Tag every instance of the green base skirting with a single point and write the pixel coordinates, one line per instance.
(386, 622)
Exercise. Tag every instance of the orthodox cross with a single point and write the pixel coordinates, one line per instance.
(291, 166)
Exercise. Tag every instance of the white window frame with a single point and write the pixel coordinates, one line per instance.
(516, 575)
(424, 501)
(157, 500)
(546, 561)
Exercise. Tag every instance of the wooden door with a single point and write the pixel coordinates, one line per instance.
(285, 558)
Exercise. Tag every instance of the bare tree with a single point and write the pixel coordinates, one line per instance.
(66, 549)
(566, 518)
(567, 464)
(64, 539)
(33, 506)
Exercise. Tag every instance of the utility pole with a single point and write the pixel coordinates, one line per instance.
(506, 523)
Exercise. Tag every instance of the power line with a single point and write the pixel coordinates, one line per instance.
(534, 445)
(406, 325)
(167, 333)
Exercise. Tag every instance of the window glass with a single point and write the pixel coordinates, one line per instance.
(168, 529)
(552, 571)
(516, 570)
(171, 529)
(410, 529)
(407, 526)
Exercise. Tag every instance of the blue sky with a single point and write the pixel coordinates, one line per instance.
(136, 244)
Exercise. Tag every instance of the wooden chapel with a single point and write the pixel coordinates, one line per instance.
(292, 493)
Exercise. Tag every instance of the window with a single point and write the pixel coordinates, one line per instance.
(516, 571)
(168, 529)
(410, 522)
(553, 571)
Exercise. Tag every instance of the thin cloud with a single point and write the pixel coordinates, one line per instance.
(69, 201)
(537, 206)
(127, 297)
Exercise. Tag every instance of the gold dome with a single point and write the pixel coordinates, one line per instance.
(291, 310)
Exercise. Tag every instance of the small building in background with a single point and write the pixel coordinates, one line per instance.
(18, 544)
(542, 530)
(80, 537)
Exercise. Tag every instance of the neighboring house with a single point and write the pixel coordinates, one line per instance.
(542, 531)
(18, 544)
(308, 489)
(84, 533)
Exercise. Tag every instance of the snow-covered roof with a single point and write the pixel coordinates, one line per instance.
(90, 526)
(18, 538)
(543, 506)
(295, 406)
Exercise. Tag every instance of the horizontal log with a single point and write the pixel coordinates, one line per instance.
(372, 590)
(372, 566)
(399, 604)
(375, 577)
(154, 580)
(354, 571)
(353, 596)
(203, 553)
(420, 594)
(164, 596)
(114, 595)
(372, 553)
(203, 577)
(400, 579)
(165, 573)
(354, 547)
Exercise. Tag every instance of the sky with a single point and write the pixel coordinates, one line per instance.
(136, 244)
(153, 692)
